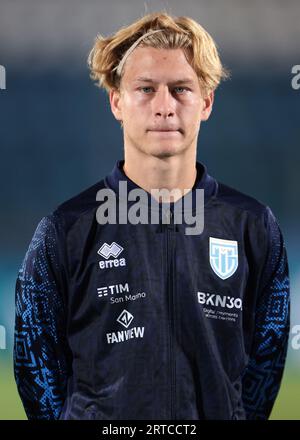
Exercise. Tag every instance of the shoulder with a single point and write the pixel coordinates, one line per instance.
(260, 216)
(81, 205)
(49, 238)
(238, 200)
(241, 205)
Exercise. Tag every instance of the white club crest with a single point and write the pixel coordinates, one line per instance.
(223, 257)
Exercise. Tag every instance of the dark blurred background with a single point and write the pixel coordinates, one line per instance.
(58, 135)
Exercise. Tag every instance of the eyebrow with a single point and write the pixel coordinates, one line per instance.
(179, 81)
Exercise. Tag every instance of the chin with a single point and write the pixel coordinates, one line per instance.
(166, 152)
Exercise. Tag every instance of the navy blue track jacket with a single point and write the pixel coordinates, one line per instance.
(142, 321)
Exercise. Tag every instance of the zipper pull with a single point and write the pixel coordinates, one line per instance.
(169, 219)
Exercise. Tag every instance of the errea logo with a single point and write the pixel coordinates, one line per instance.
(111, 250)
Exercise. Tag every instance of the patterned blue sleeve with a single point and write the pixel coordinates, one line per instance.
(262, 377)
(41, 353)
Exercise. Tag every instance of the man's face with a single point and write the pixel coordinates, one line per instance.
(160, 103)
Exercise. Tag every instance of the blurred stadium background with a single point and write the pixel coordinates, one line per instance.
(58, 137)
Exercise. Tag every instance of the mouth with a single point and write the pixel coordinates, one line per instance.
(167, 134)
(167, 131)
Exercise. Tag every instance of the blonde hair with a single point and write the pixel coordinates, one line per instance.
(108, 55)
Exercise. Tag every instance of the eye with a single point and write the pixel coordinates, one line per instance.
(143, 88)
(182, 88)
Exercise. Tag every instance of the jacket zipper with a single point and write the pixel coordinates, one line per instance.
(170, 268)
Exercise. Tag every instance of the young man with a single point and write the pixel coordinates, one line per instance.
(141, 320)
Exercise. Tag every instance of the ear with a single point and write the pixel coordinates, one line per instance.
(115, 103)
(207, 106)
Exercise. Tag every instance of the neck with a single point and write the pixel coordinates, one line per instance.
(177, 173)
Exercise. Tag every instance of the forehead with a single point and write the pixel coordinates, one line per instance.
(148, 63)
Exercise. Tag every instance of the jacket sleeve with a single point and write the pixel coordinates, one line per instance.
(42, 359)
(262, 377)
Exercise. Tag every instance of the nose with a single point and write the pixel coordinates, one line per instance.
(163, 103)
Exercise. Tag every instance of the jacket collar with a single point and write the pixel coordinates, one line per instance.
(203, 181)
